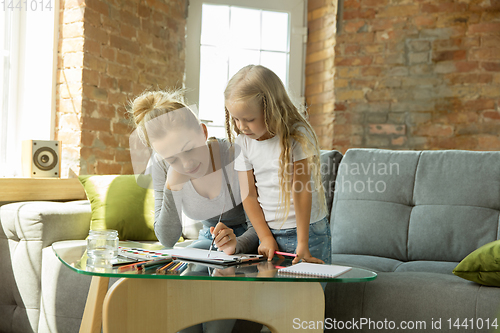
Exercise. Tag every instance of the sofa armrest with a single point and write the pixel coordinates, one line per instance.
(26, 229)
(46, 221)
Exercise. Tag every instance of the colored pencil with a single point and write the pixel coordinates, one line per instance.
(161, 270)
(154, 262)
(181, 267)
(170, 270)
(285, 254)
(125, 267)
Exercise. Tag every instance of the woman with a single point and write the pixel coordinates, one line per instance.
(191, 174)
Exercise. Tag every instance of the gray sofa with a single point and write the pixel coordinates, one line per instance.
(412, 216)
(412, 229)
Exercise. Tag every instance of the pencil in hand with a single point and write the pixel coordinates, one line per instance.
(281, 254)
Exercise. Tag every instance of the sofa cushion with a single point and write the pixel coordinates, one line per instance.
(442, 267)
(370, 228)
(380, 264)
(412, 296)
(449, 232)
(416, 205)
(119, 203)
(372, 203)
(457, 204)
(482, 265)
(373, 263)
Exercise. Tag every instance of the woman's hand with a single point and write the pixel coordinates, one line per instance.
(304, 254)
(225, 239)
(267, 247)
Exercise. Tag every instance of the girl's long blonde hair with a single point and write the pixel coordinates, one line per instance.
(283, 118)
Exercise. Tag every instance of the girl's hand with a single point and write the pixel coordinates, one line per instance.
(230, 271)
(304, 254)
(266, 269)
(225, 239)
(267, 247)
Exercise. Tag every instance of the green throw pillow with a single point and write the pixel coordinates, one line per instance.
(482, 265)
(118, 203)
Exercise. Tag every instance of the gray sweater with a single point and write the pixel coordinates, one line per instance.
(169, 204)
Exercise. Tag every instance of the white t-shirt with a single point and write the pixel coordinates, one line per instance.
(263, 158)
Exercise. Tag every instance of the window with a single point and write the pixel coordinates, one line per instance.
(224, 36)
(9, 35)
(27, 85)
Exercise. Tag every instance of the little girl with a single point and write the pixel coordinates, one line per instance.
(278, 167)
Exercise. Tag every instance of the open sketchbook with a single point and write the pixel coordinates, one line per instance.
(305, 268)
(216, 257)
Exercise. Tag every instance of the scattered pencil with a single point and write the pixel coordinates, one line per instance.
(130, 266)
(153, 262)
(173, 268)
(180, 268)
(162, 269)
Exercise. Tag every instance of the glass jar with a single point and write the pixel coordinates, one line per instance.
(102, 244)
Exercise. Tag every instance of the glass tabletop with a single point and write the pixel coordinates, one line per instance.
(73, 254)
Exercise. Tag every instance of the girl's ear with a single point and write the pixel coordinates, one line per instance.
(205, 130)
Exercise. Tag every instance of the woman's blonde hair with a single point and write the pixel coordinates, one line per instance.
(150, 105)
(281, 117)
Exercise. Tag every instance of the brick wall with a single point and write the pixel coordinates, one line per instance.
(416, 74)
(319, 68)
(109, 52)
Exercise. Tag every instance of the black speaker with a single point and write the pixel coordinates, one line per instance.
(41, 159)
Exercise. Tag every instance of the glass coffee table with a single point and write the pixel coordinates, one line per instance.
(143, 301)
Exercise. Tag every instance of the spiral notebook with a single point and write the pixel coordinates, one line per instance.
(305, 268)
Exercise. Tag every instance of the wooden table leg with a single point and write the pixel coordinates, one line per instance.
(147, 305)
(92, 315)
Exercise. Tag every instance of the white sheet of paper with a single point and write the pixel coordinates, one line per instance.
(199, 254)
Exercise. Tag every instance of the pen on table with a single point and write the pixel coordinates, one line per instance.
(213, 237)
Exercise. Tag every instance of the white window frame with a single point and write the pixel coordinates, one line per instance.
(297, 9)
(29, 112)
